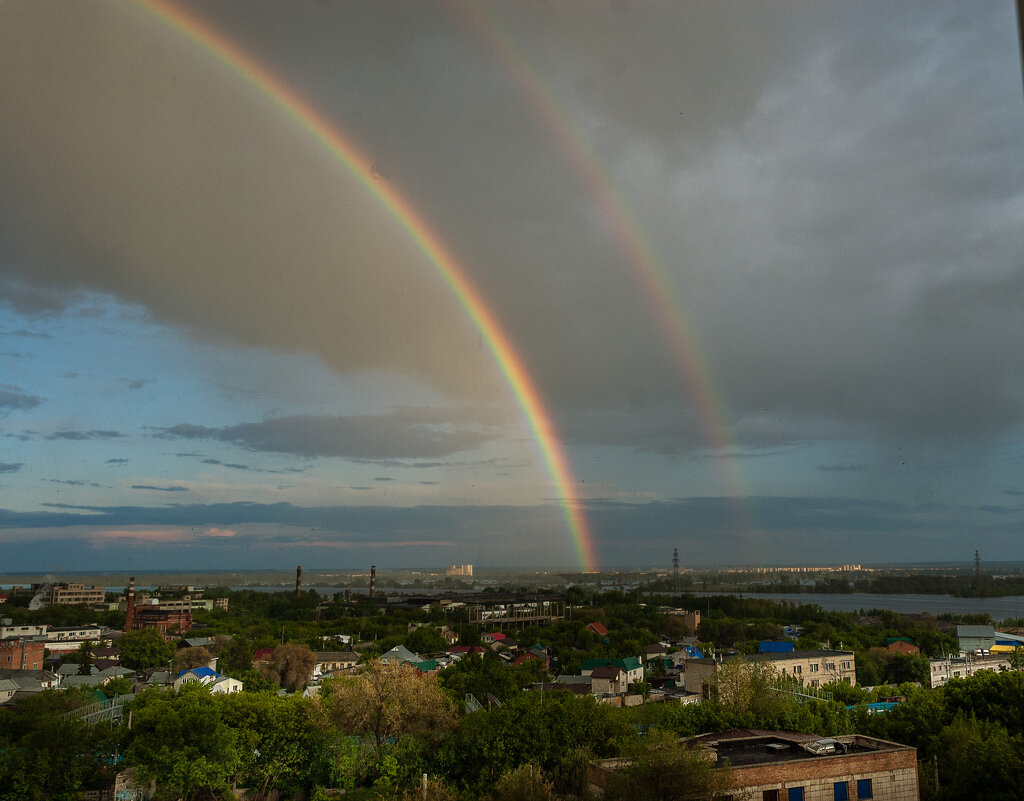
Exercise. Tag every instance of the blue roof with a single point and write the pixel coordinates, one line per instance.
(199, 671)
(774, 647)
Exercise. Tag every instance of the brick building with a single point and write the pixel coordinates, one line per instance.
(788, 766)
(176, 620)
(22, 654)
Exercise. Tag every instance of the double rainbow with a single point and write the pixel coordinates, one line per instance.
(346, 152)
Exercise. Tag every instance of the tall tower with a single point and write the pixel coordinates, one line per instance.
(298, 581)
(675, 561)
(129, 616)
(373, 581)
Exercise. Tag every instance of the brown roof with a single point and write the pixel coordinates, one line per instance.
(606, 672)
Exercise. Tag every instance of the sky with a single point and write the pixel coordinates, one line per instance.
(553, 285)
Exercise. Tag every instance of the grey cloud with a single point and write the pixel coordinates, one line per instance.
(77, 483)
(159, 489)
(705, 530)
(116, 461)
(404, 433)
(14, 398)
(137, 383)
(11, 467)
(85, 435)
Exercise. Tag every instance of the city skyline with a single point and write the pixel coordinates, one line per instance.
(547, 285)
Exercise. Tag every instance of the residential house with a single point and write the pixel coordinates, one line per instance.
(631, 665)
(788, 766)
(401, 655)
(598, 628)
(203, 675)
(226, 684)
(330, 661)
(8, 687)
(902, 646)
(608, 680)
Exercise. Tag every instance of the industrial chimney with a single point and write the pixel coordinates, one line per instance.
(373, 581)
(129, 616)
(298, 581)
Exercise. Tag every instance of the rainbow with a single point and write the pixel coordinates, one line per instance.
(346, 152)
(641, 259)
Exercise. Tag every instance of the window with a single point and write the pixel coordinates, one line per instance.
(814, 682)
(814, 667)
(844, 665)
(770, 795)
(830, 666)
(840, 791)
(864, 788)
(796, 794)
(798, 669)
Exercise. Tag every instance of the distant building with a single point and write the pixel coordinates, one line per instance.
(176, 620)
(902, 646)
(75, 595)
(459, 570)
(691, 619)
(975, 639)
(960, 667)
(810, 668)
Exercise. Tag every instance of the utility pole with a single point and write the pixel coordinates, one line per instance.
(675, 562)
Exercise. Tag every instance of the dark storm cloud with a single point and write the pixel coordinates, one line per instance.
(406, 433)
(833, 193)
(11, 467)
(13, 398)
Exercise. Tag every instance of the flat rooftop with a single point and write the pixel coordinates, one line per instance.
(771, 748)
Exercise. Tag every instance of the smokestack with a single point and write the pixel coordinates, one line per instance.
(373, 581)
(298, 581)
(129, 616)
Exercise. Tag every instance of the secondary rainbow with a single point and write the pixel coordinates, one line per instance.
(342, 148)
(639, 256)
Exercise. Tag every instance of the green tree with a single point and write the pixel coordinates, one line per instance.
(387, 700)
(425, 640)
(659, 769)
(526, 783)
(290, 667)
(182, 742)
(145, 648)
(189, 658)
(86, 658)
(281, 741)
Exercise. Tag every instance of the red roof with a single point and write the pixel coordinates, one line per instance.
(497, 635)
(598, 628)
(263, 655)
